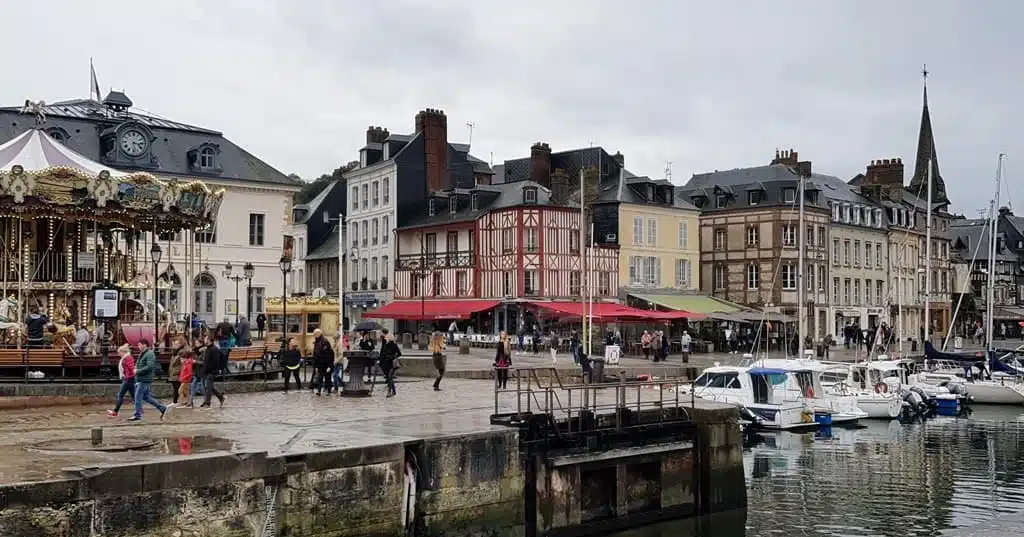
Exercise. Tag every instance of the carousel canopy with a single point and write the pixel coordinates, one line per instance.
(34, 150)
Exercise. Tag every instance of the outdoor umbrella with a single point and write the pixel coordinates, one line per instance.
(367, 326)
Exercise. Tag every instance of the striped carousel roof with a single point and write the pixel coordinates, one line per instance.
(34, 151)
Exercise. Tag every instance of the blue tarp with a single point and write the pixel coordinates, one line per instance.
(767, 371)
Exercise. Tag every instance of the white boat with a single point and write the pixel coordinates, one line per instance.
(805, 380)
(754, 390)
(878, 404)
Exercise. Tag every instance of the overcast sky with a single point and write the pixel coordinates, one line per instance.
(705, 85)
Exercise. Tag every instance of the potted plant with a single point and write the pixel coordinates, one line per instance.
(355, 286)
(364, 283)
(383, 283)
(373, 285)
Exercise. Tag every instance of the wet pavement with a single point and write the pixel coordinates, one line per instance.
(274, 422)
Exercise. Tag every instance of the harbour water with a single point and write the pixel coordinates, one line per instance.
(885, 479)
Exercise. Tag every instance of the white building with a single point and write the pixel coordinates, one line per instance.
(257, 201)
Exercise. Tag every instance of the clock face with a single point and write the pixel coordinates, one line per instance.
(133, 143)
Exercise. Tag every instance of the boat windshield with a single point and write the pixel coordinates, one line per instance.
(834, 377)
(718, 380)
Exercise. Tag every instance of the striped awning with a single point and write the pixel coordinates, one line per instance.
(35, 151)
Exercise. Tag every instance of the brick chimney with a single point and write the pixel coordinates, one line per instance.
(884, 172)
(433, 126)
(376, 135)
(540, 164)
(559, 187)
(786, 157)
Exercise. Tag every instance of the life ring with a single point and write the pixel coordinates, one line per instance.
(881, 387)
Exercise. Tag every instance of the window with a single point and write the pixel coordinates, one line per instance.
(366, 232)
(867, 291)
(604, 284)
(856, 291)
(376, 231)
(207, 235)
(430, 245)
(365, 271)
(683, 273)
(385, 229)
(376, 193)
(638, 230)
(754, 197)
(431, 210)
(821, 236)
(574, 283)
(945, 283)
(879, 291)
(474, 202)
(257, 300)
(301, 248)
(355, 198)
(652, 232)
(384, 268)
(752, 236)
(312, 321)
(508, 240)
(529, 195)
(720, 239)
(205, 158)
(810, 277)
(530, 287)
(856, 215)
(170, 236)
(437, 287)
(374, 274)
(684, 235)
(635, 269)
(355, 270)
(788, 235)
(366, 196)
(821, 277)
(878, 218)
(835, 212)
(414, 285)
(788, 195)
(846, 252)
(574, 241)
(718, 277)
(453, 204)
(386, 187)
(462, 283)
(846, 291)
(835, 290)
(353, 231)
(810, 236)
(789, 277)
(856, 253)
(721, 201)
(532, 239)
(451, 244)
(867, 255)
(846, 214)
(835, 251)
(753, 276)
(652, 270)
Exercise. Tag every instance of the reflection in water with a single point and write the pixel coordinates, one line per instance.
(187, 445)
(884, 479)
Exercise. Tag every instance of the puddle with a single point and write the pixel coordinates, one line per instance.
(188, 445)
(183, 445)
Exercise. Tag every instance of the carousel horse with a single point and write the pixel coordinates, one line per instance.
(10, 326)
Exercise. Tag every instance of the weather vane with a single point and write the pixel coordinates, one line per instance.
(924, 72)
(37, 109)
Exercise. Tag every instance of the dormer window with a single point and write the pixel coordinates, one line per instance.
(206, 158)
(474, 202)
(58, 134)
(835, 212)
(721, 201)
(431, 210)
(788, 195)
(529, 195)
(453, 204)
(754, 197)
(700, 201)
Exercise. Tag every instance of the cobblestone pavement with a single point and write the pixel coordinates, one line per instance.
(276, 422)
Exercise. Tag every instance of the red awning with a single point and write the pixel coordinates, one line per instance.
(426, 310)
(615, 312)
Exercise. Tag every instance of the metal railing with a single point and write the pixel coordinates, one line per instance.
(53, 267)
(543, 390)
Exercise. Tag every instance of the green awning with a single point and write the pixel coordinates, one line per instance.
(702, 304)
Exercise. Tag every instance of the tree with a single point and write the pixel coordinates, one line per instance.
(313, 188)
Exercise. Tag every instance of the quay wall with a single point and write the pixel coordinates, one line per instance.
(463, 486)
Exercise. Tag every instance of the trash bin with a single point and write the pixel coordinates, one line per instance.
(464, 346)
(597, 370)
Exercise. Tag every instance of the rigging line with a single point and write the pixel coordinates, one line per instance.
(970, 270)
(778, 268)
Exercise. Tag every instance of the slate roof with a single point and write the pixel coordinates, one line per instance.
(82, 119)
(327, 249)
(312, 207)
(771, 179)
(966, 236)
(489, 198)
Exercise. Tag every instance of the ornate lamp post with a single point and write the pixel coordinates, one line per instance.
(286, 266)
(170, 273)
(155, 253)
(249, 271)
(235, 278)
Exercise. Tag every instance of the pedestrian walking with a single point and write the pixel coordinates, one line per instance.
(213, 363)
(645, 344)
(291, 359)
(126, 372)
(438, 350)
(553, 344)
(185, 375)
(243, 332)
(323, 359)
(145, 370)
(685, 343)
(389, 354)
(502, 360)
(261, 322)
(174, 368)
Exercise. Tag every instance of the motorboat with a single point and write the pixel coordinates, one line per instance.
(805, 380)
(754, 390)
(851, 380)
(923, 395)
(1004, 387)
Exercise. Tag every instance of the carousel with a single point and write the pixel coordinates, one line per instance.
(69, 224)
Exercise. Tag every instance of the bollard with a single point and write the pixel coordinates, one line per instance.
(464, 346)
(97, 436)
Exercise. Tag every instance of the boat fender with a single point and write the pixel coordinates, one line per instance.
(881, 387)
(810, 393)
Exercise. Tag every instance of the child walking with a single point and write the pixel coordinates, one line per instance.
(185, 376)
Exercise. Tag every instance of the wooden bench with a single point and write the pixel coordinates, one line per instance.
(31, 357)
(245, 354)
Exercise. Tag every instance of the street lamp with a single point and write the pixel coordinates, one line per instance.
(286, 266)
(170, 273)
(249, 272)
(235, 278)
(155, 253)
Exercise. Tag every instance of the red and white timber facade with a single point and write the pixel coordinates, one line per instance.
(511, 254)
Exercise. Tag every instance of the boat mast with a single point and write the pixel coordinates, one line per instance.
(928, 258)
(585, 335)
(991, 290)
(800, 272)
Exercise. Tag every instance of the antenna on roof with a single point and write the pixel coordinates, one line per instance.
(668, 171)
(492, 159)
(470, 124)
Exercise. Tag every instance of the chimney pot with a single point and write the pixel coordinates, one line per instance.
(540, 164)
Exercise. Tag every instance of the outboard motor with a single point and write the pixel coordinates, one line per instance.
(957, 389)
(916, 398)
(746, 415)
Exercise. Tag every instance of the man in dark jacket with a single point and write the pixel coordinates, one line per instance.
(145, 371)
(323, 361)
(213, 359)
(242, 332)
(35, 327)
(261, 322)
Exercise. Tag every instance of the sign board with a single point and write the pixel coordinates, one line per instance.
(132, 192)
(230, 306)
(612, 353)
(958, 343)
(87, 260)
(106, 303)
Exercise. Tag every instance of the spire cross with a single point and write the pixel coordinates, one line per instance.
(924, 72)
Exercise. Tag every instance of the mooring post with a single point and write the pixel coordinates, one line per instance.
(97, 436)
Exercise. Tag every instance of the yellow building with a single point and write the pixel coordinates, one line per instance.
(659, 239)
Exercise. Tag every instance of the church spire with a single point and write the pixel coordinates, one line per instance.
(926, 152)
